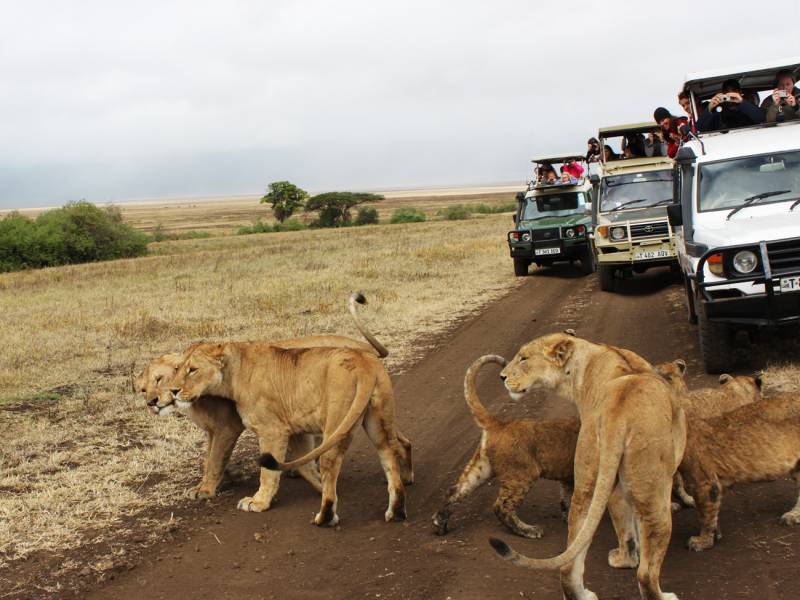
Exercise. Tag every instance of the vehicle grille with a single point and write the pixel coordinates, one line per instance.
(546, 235)
(658, 229)
(784, 257)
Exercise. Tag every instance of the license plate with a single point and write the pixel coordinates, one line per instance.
(790, 284)
(650, 254)
(540, 251)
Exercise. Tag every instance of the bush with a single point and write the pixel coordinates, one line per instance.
(367, 216)
(257, 227)
(159, 235)
(290, 225)
(489, 209)
(407, 215)
(456, 212)
(78, 232)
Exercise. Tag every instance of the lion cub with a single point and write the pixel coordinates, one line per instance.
(517, 452)
(755, 442)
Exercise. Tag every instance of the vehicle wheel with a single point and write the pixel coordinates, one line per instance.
(587, 261)
(690, 307)
(606, 278)
(716, 344)
(521, 267)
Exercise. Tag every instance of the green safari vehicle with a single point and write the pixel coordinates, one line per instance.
(553, 222)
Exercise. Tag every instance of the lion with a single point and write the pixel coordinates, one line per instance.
(632, 437)
(705, 403)
(517, 452)
(756, 442)
(282, 391)
(218, 416)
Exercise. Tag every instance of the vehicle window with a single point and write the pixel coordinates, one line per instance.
(636, 190)
(553, 205)
(731, 183)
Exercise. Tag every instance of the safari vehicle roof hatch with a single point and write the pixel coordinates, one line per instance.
(644, 163)
(557, 158)
(620, 130)
(759, 76)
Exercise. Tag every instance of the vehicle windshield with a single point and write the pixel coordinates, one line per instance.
(636, 190)
(553, 205)
(768, 178)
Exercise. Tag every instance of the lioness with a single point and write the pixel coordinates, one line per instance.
(218, 416)
(281, 391)
(632, 436)
(517, 452)
(755, 442)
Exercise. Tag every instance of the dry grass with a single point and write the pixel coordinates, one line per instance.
(80, 452)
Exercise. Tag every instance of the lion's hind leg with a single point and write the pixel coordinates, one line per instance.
(330, 464)
(477, 472)
(514, 486)
(404, 458)
(382, 436)
(793, 516)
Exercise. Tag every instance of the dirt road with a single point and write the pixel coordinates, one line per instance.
(219, 552)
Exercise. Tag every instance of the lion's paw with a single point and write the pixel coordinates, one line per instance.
(698, 543)
(201, 493)
(250, 504)
(668, 596)
(622, 560)
(791, 518)
(319, 520)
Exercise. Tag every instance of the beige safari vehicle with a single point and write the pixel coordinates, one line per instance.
(631, 228)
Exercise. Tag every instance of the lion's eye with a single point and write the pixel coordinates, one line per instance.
(158, 379)
(522, 359)
(143, 390)
(191, 370)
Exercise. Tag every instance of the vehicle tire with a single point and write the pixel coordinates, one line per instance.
(691, 310)
(587, 260)
(521, 267)
(716, 345)
(606, 277)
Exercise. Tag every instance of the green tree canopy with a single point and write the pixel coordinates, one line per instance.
(285, 199)
(334, 207)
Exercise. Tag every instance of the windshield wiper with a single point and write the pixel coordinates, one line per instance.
(796, 202)
(748, 201)
(628, 203)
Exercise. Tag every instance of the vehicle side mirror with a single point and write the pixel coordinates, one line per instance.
(685, 156)
(514, 217)
(520, 196)
(675, 215)
(594, 179)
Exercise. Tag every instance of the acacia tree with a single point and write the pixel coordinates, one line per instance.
(334, 207)
(285, 199)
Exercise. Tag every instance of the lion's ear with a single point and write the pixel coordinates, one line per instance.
(681, 364)
(570, 332)
(561, 352)
(725, 378)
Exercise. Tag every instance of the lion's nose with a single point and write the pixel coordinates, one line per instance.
(503, 377)
(152, 402)
(174, 391)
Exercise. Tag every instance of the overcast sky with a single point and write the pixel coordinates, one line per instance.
(114, 100)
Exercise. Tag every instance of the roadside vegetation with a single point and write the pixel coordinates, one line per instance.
(84, 461)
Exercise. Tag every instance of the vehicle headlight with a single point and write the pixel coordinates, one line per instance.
(526, 237)
(570, 233)
(617, 233)
(745, 261)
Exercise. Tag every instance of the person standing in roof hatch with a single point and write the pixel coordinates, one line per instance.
(670, 129)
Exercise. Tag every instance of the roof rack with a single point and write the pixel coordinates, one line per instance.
(620, 130)
(558, 158)
(759, 76)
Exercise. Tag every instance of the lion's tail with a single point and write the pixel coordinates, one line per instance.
(610, 457)
(360, 402)
(351, 305)
(482, 416)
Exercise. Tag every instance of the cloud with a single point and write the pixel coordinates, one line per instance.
(111, 101)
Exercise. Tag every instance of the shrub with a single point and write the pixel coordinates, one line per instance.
(489, 209)
(78, 232)
(456, 212)
(257, 227)
(367, 216)
(159, 235)
(290, 225)
(407, 215)
(334, 207)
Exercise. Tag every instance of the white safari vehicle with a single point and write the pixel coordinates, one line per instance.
(631, 229)
(738, 221)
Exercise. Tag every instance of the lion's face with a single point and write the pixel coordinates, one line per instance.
(539, 364)
(674, 372)
(199, 373)
(153, 383)
(748, 388)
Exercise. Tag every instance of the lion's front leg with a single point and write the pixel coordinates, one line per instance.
(275, 443)
(223, 427)
(793, 516)
(708, 498)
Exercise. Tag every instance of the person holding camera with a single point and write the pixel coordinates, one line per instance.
(593, 151)
(669, 127)
(729, 109)
(781, 105)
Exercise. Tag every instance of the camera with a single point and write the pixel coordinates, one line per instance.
(783, 94)
(726, 98)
